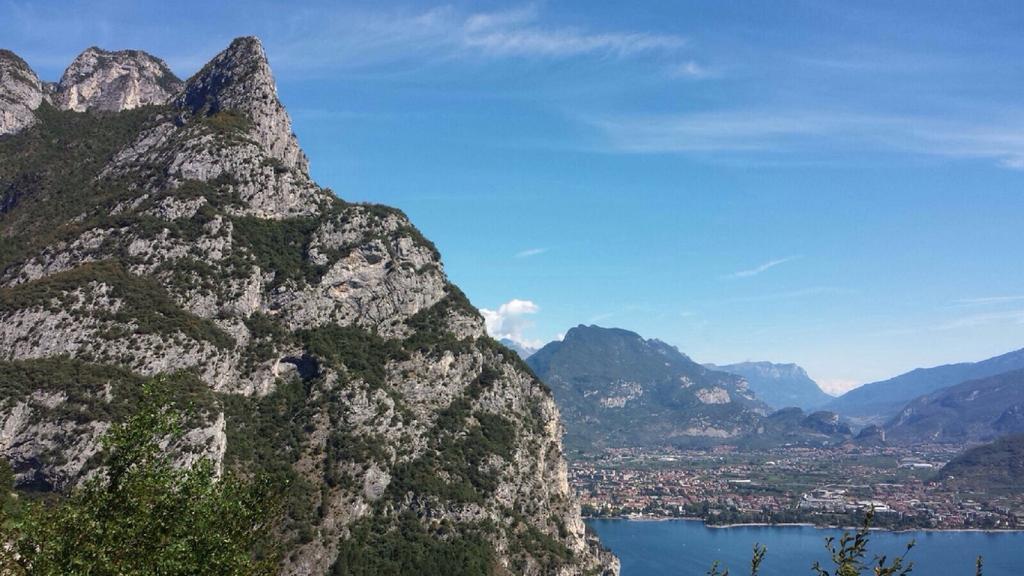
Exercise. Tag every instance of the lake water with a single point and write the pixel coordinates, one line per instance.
(687, 548)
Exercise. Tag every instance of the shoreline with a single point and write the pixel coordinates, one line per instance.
(802, 525)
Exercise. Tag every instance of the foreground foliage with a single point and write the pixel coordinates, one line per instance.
(142, 514)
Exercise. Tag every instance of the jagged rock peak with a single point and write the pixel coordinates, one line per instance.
(20, 93)
(115, 81)
(239, 80)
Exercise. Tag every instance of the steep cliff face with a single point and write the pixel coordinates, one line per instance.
(319, 340)
(20, 93)
(239, 78)
(779, 385)
(115, 81)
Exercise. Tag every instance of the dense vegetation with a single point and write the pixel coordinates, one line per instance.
(380, 547)
(143, 514)
(989, 468)
(49, 172)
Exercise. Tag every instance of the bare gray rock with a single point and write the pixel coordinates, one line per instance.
(20, 93)
(239, 80)
(115, 81)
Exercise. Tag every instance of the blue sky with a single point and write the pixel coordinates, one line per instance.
(831, 184)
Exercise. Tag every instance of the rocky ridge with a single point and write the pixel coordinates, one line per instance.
(173, 229)
(877, 402)
(21, 93)
(114, 81)
(779, 385)
(972, 411)
(96, 80)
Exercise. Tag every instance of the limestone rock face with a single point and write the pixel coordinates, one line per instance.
(115, 81)
(20, 93)
(239, 79)
(319, 340)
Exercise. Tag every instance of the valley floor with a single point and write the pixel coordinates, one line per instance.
(832, 486)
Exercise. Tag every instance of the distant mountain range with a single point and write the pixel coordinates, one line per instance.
(879, 401)
(970, 411)
(614, 389)
(989, 468)
(779, 385)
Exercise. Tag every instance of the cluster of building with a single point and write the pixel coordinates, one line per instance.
(821, 486)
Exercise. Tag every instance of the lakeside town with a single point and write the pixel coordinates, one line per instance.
(828, 486)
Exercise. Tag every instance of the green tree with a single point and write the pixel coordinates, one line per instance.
(143, 515)
(848, 558)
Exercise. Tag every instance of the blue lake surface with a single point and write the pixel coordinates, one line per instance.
(687, 548)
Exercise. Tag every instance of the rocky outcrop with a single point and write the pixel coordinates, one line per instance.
(115, 81)
(20, 93)
(239, 79)
(320, 341)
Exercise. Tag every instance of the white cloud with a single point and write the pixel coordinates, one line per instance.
(352, 39)
(763, 267)
(779, 131)
(688, 69)
(984, 319)
(969, 321)
(793, 294)
(985, 300)
(531, 252)
(516, 33)
(510, 321)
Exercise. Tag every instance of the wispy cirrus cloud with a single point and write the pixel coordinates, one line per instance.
(800, 133)
(530, 252)
(689, 70)
(967, 321)
(792, 294)
(762, 267)
(982, 319)
(986, 300)
(348, 38)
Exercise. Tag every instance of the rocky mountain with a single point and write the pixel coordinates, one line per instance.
(174, 230)
(793, 425)
(879, 401)
(115, 81)
(779, 385)
(976, 410)
(989, 468)
(523, 350)
(614, 388)
(21, 93)
(97, 80)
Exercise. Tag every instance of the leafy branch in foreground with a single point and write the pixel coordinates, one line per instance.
(849, 556)
(144, 515)
(755, 562)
